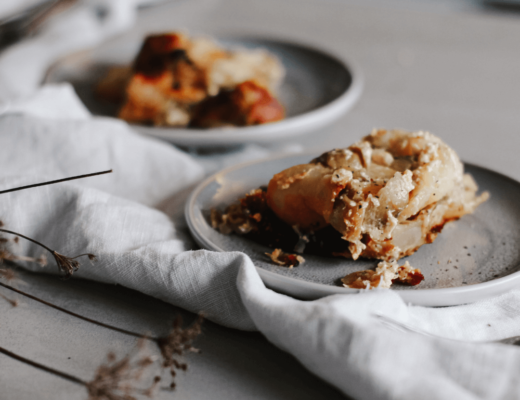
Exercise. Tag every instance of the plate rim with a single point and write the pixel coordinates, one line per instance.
(446, 296)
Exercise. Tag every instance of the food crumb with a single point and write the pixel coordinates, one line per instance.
(285, 259)
(384, 276)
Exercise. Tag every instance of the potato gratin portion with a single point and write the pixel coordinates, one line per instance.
(387, 194)
(381, 198)
(180, 81)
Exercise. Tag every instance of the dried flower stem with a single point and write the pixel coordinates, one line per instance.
(195, 328)
(120, 330)
(42, 367)
(112, 377)
(28, 238)
(67, 265)
(14, 303)
(113, 380)
(175, 343)
(55, 181)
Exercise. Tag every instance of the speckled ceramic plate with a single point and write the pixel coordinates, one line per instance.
(473, 258)
(317, 90)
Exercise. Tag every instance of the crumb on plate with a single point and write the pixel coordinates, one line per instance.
(384, 276)
(285, 259)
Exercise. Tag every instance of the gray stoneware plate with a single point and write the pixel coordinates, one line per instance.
(317, 90)
(473, 258)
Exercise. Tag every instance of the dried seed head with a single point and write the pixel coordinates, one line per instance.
(176, 343)
(7, 274)
(67, 265)
(117, 379)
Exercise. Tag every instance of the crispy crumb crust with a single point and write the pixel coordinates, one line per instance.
(387, 194)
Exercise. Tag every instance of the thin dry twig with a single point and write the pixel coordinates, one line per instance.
(114, 379)
(66, 265)
(55, 181)
(6, 255)
(42, 367)
(178, 341)
(126, 332)
(167, 342)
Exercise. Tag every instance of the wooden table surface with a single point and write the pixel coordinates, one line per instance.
(451, 68)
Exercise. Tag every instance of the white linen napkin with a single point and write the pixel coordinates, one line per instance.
(132, 220)
(338, 337)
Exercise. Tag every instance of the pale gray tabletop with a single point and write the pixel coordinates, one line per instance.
(448, 67)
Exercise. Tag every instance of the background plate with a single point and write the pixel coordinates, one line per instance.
(317, 90)
(473, 258)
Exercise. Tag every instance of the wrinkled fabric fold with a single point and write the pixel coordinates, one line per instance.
(339, 339)
(143, 248)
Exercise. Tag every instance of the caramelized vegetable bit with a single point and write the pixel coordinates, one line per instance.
(285, 259)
